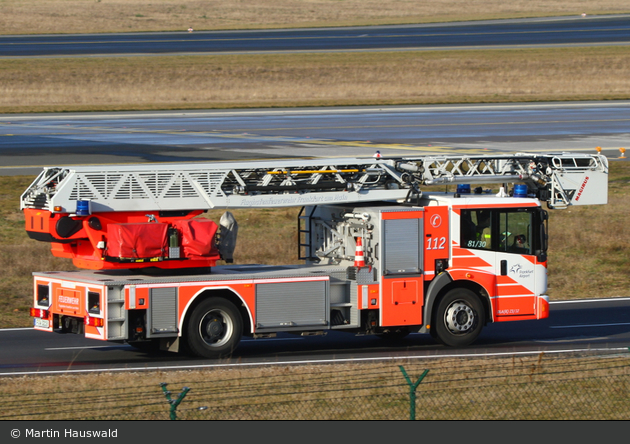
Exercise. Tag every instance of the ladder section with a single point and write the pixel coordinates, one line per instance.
(561, 179)
(215, 185)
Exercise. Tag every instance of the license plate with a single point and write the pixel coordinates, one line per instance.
(42, 323)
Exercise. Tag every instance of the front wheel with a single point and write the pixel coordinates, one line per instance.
(214, 329)
(459, 318)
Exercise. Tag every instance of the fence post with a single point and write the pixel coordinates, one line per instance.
(412, 391)
(174, 402)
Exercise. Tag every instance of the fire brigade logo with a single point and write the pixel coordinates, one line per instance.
(436, 221)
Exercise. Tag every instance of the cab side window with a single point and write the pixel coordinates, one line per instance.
(477, 229)
(508, 231)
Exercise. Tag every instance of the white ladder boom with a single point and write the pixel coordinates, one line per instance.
(560, 179)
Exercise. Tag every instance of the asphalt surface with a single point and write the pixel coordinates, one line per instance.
(588, 326)
(29, 142)
(558, 31)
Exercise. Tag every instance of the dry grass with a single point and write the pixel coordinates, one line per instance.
(54, 85)
(93, 16)
(532, 387)
(266, 236)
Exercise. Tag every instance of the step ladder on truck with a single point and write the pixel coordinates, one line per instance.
(380, 256)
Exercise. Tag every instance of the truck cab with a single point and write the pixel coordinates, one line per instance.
(487, 253)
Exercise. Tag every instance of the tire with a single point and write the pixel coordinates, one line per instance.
(459, 318)
(214, 329)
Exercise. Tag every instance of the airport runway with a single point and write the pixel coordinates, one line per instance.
(584, 326)
(552, 31)
(29, 142)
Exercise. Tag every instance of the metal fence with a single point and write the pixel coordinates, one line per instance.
(534, 388)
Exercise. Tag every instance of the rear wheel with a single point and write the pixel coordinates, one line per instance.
(214, 329)
(459, 318)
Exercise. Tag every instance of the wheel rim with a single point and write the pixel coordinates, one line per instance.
(216, 328)
(459, 317)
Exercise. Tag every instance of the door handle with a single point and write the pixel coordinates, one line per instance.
(504, 268)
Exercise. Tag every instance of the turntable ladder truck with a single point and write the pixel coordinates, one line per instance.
(380, 256)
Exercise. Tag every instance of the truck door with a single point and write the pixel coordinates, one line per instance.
(402, 282)
(507, 240)
(515, 263)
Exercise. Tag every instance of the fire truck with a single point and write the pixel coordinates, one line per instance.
(379, 255)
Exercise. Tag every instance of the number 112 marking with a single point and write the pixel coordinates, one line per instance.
(438, 243)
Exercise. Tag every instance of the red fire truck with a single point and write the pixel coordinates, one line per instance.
(380, 256)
